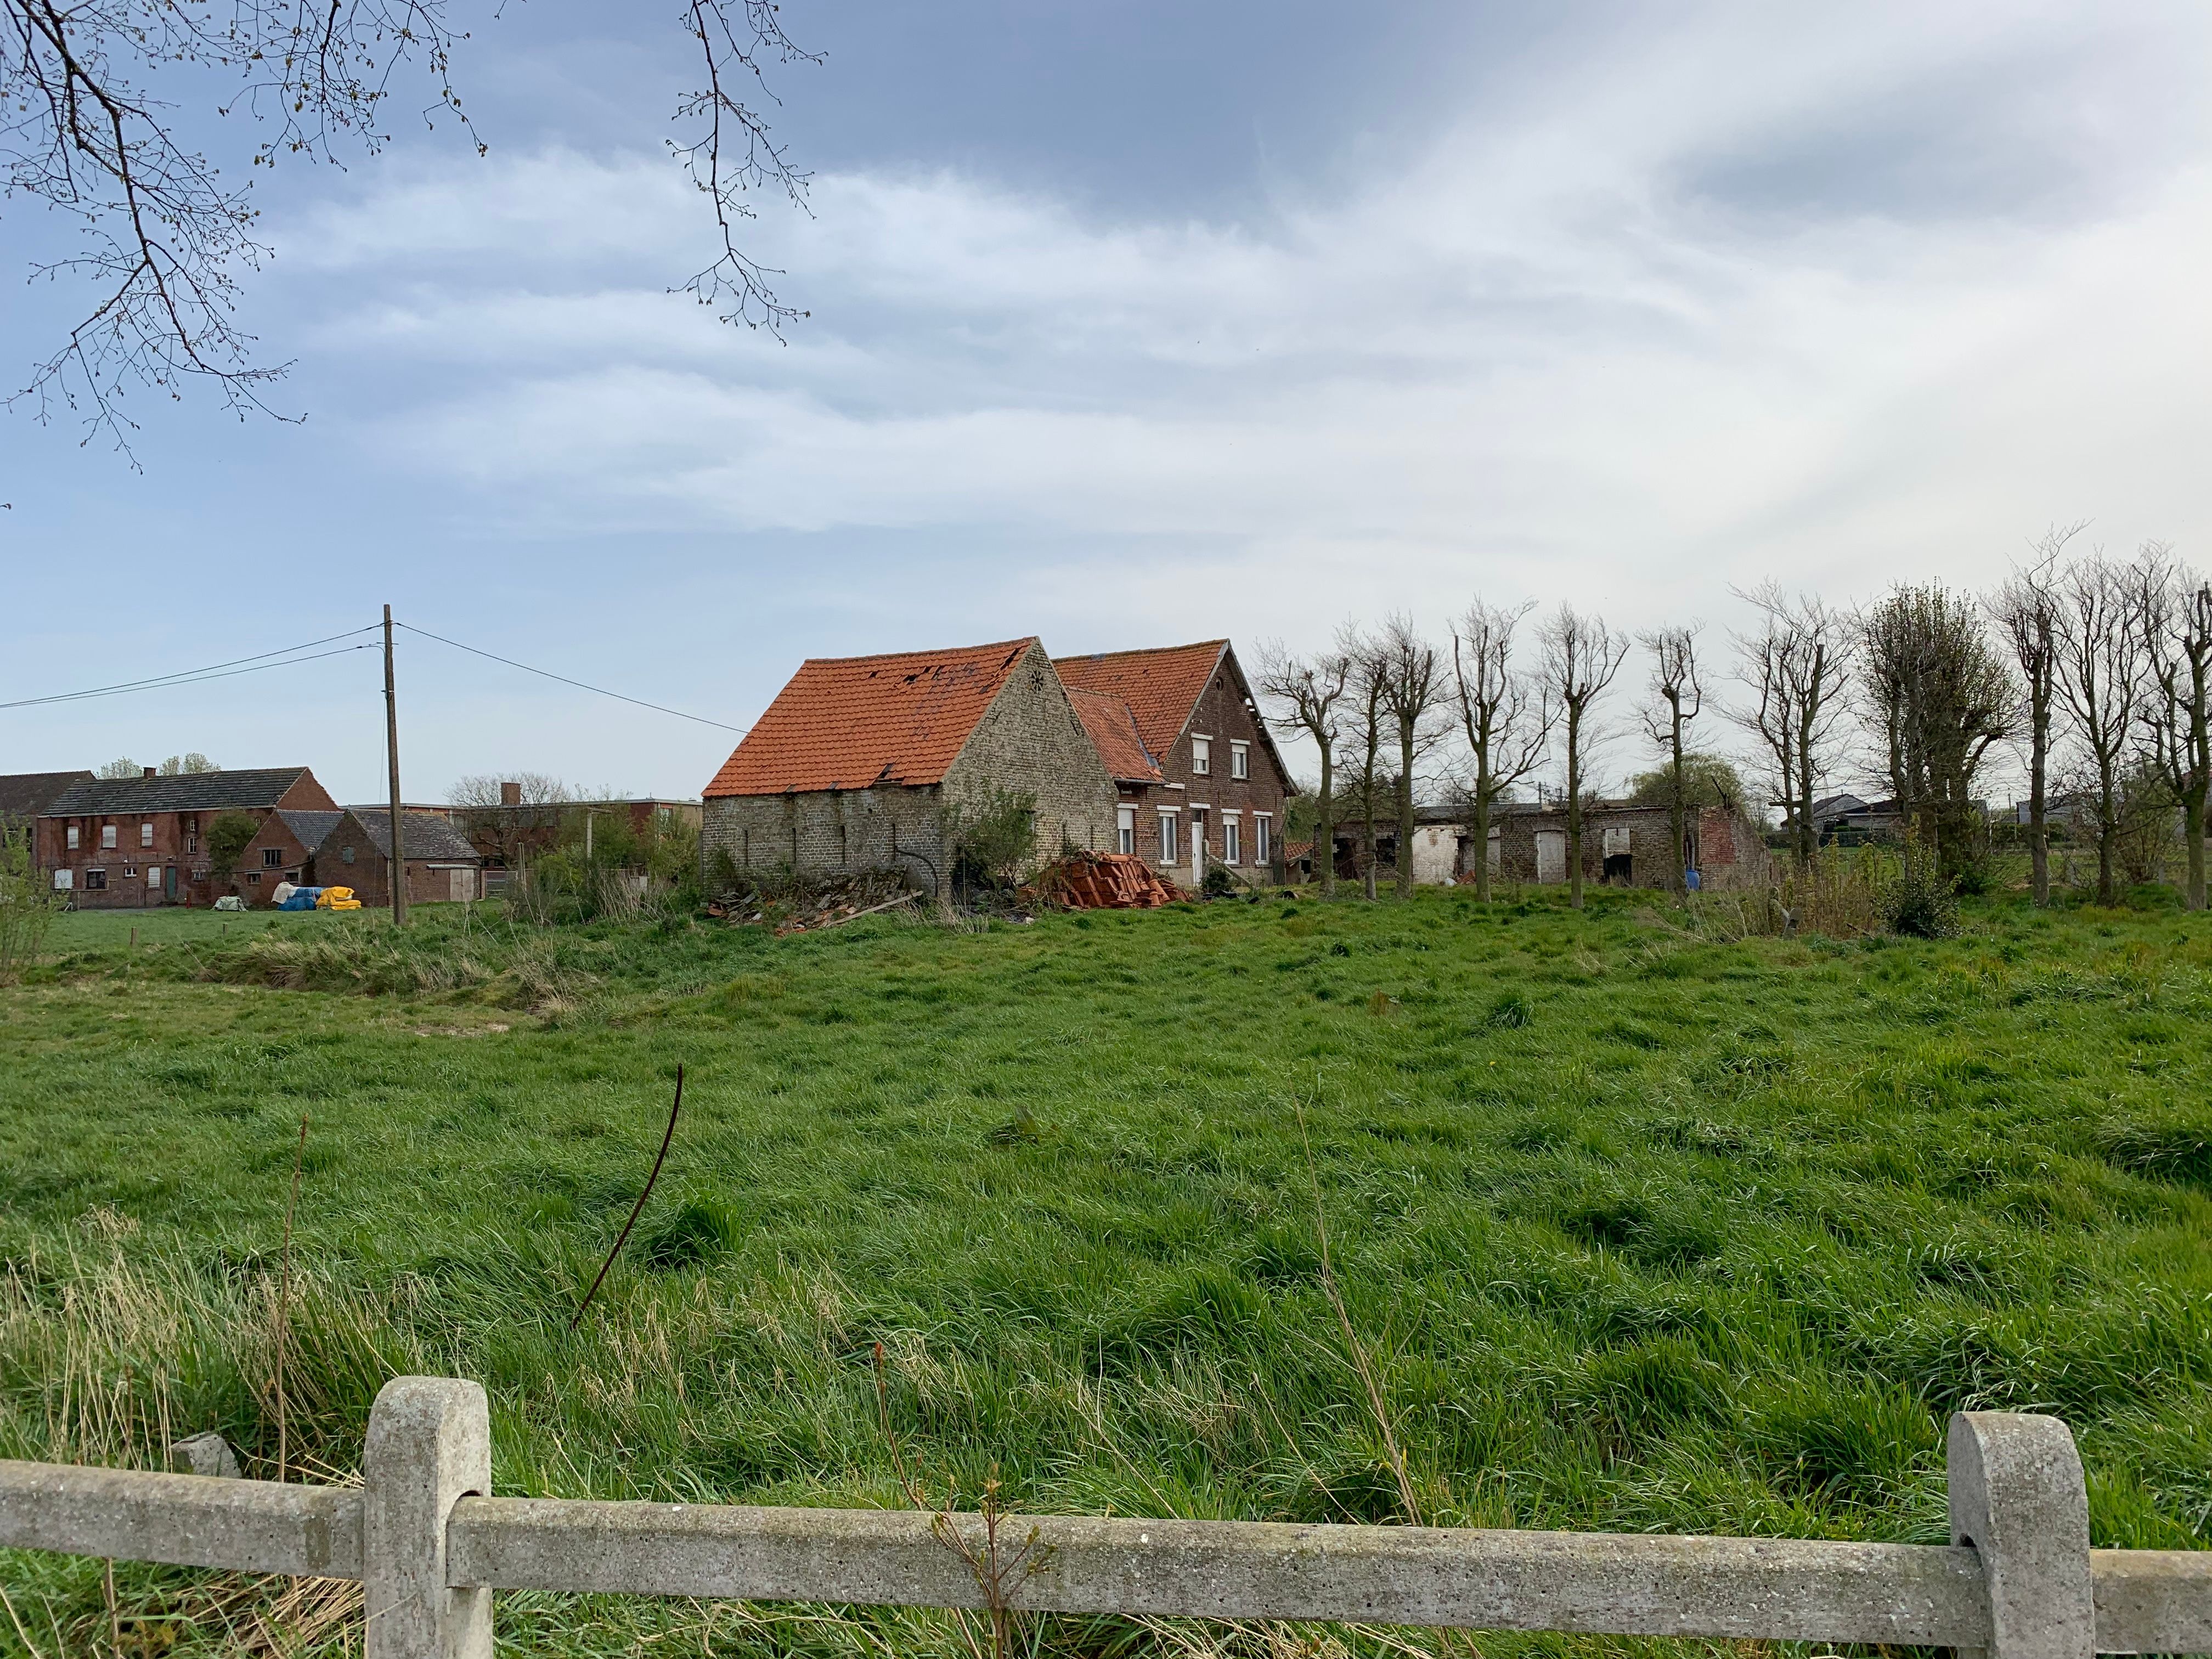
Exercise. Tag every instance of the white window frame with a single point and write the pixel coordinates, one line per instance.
(1201, 756)
(106, 837)
(153, 875)
(73, 837)
(1232, 839)
(1170, 837)
(64, 881)
(1240, 759)
(1125, 829)
(1263, 830)
(146, 832)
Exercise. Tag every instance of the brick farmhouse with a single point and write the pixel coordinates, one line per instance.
(121, 843)
(1217, 786)
(1157, 753)
(354, 849)
(860, 762)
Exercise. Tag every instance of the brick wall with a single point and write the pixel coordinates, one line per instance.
(1731, 852)
(177, 843)
(1030, 742)
(825, 831)
(1222, 716)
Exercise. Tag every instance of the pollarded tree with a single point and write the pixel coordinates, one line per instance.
(2101, 681)
(1505, 714)
(2026, 610)
(1938, 696)
(1306, 695)
(1798, 664)
(89, 92)
(1581, 656)
(1368, 723)
(1678, 697)
(1410, 675)
(2175, 604)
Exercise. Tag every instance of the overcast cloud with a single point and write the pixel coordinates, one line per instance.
(1654, 306)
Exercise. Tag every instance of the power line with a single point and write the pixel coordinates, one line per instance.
(221, 670)
(602, 690)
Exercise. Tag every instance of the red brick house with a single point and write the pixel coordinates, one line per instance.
(122, 844)
(1216, 785)
(355, 851)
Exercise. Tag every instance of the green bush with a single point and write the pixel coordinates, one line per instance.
(1920, 904)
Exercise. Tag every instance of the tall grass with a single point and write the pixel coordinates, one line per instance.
(1631, 1228)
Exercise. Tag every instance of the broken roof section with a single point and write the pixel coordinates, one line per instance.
(1162, 686)
(856, 722)
(1114, 733)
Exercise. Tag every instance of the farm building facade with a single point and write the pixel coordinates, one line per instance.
(863, 763)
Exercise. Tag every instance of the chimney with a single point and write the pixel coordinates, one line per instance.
(149, 771)
(510, 795)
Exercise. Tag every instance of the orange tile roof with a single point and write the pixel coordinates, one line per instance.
(852, 722)
(1160, 686)
(1113, 732)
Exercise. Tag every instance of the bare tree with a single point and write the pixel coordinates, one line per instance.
(1413, 685)
(2175, 606)
(1798, 664)
(1581, 655)
(1305, 695)
(2101, 681)
(1370, 722)
(1506, 716)
(2026, 610)
(507, 818)
(1678, 697)
(1939, 696)
(88, 91)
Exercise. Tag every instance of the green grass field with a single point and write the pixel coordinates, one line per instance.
(1642, 1230)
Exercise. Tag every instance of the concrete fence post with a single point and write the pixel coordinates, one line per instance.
(2017, 1496)
(430, 1445)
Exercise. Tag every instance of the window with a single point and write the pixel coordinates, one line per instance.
(64, 880)
(1202, 755)
(153, 875)
(345, 855)
(145, 832)
(1125, 829)
(95, 881)
(72, 838)
(1167, 838)
(1240, 760)
(272, 857)
(254, 875)
(108, 835)
(1233, 839)
(1261, 850)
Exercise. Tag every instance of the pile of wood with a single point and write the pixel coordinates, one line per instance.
(1106, 881)
(820, 905)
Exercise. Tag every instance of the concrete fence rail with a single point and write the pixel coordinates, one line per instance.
(429, 1543)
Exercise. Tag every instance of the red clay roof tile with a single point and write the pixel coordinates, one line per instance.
(1160, 686)
(1113, 732)
(854, 722)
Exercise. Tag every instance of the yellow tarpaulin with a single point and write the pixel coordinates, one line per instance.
(336, 898)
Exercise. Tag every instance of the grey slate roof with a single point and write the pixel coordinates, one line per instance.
(428, 836)
(310, 826)
(188, 792)
(27, 794)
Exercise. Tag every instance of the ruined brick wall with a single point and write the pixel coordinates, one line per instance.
(1030, 742)
(1731, 852)
(826, 832)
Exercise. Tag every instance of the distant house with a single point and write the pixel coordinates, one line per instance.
(24, 795)
(861, 762)
(120, 843)
(1203, 783)
(355, 850)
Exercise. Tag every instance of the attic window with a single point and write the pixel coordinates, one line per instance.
(1202, 755)
(272, 858)
(1240, 760)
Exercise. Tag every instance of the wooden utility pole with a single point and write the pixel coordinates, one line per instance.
(395, 869)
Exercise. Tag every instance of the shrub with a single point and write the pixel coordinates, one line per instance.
(1920, 903)
(992, 839)
(26, 908)
(226, 839)
(1218, 882)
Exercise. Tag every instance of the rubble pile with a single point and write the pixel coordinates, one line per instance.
(1106, 881)
(815, 906)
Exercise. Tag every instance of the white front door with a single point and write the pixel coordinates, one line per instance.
(1197, 816)
(1551, 855)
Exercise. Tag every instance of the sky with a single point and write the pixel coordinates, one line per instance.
(1130, 325)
